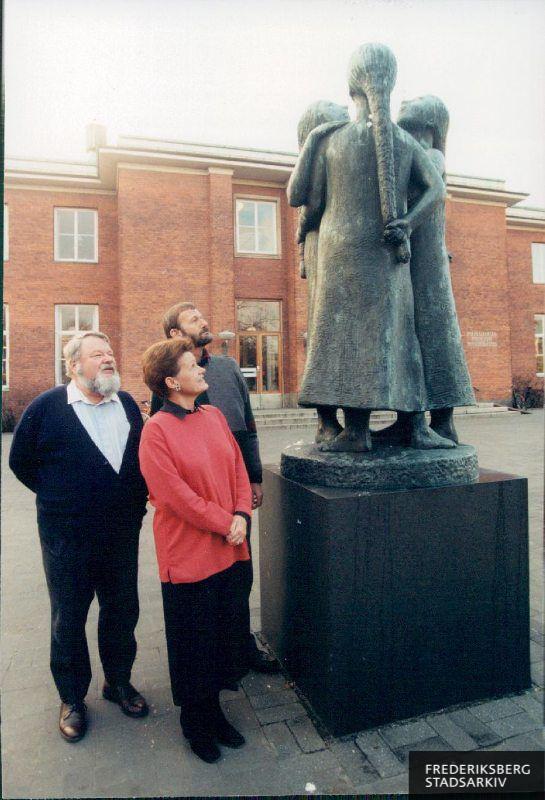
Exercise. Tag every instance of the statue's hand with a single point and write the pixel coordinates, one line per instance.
(398, 234)
(397, 231)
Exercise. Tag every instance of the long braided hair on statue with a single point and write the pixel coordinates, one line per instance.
(372, 73)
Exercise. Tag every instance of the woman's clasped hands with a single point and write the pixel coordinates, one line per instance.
(237, 533)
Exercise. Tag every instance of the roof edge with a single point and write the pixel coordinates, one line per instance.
(246, 163)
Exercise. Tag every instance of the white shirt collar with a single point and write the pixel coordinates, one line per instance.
(75, 395)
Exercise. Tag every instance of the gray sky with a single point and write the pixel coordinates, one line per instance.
(241, 72)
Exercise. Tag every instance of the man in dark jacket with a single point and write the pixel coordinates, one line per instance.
(76, 447)
(227, 390)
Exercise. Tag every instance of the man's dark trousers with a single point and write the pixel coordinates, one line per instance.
(83, 557)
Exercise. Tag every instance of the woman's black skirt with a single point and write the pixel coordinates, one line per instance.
(206, 632)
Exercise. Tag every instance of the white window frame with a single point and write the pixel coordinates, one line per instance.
(276, 252)
(540, 336)
(5, 342)
(74, 260)
(59, 333)
(5, 256)
(538, 262)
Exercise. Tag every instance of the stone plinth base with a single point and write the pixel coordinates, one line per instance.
(385, 467)
(385, 605)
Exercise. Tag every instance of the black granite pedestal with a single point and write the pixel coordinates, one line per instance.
(384, 605)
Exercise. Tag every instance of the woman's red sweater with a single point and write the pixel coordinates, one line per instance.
(196, 479)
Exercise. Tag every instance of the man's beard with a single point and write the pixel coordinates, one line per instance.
(104, 384)
(203, 339)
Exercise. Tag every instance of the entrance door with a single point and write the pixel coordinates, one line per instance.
(259, 350)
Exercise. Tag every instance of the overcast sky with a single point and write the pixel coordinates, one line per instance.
(241, 72)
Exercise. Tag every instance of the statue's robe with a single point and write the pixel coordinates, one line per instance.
(363, 351)
(298, 188)
(445, 369)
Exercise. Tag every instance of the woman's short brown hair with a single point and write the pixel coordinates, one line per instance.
(160, 361)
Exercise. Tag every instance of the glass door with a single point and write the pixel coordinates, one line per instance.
(269, 350)
(247, 359)
(259, 345)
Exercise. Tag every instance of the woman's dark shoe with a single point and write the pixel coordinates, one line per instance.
(231, 687)
(227, 735)
(73, 721)
(222, 728)
(126, 696)
(260, 661)
(205, 748)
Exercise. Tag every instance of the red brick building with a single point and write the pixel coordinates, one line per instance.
(115, 243)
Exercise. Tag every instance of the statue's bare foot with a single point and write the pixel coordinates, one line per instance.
(424, 438)
(446, 430)
(348, 442)
(327, 431)
(442, 422)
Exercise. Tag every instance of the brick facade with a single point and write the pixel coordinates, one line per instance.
(34, 284)
(476, 239)
(166, 233)
(525, 298)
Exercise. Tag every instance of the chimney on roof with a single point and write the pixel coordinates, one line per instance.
(96, 136)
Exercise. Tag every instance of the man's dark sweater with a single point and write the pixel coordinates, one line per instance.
(227, 390)
(54, 456)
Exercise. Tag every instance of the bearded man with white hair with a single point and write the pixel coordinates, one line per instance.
(76, 447)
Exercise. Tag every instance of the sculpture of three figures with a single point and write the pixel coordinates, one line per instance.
(382, 326)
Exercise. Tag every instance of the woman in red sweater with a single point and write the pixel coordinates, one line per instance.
(200, 490)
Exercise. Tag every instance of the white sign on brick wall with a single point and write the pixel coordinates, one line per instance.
(482, 338)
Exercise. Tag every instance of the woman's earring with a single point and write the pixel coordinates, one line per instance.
(177, 387)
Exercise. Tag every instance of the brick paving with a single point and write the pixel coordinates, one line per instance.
(286, 753)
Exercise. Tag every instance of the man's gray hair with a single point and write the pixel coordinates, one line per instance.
(72, 349)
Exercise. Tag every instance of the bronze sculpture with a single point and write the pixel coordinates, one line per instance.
(353, 179)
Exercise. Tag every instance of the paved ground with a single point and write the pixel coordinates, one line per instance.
(285, 754)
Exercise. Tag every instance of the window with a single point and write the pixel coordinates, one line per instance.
(539, 332)
(5, 347)
(258, 315)
(6, 233)
(538, 262)
(257, 227)
(68, 321)
(76, 235)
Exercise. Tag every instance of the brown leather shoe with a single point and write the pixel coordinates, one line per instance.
(126, 696)
(73, 721)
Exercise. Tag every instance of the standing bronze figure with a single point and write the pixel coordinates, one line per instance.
(319, 118)
(445, 369)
